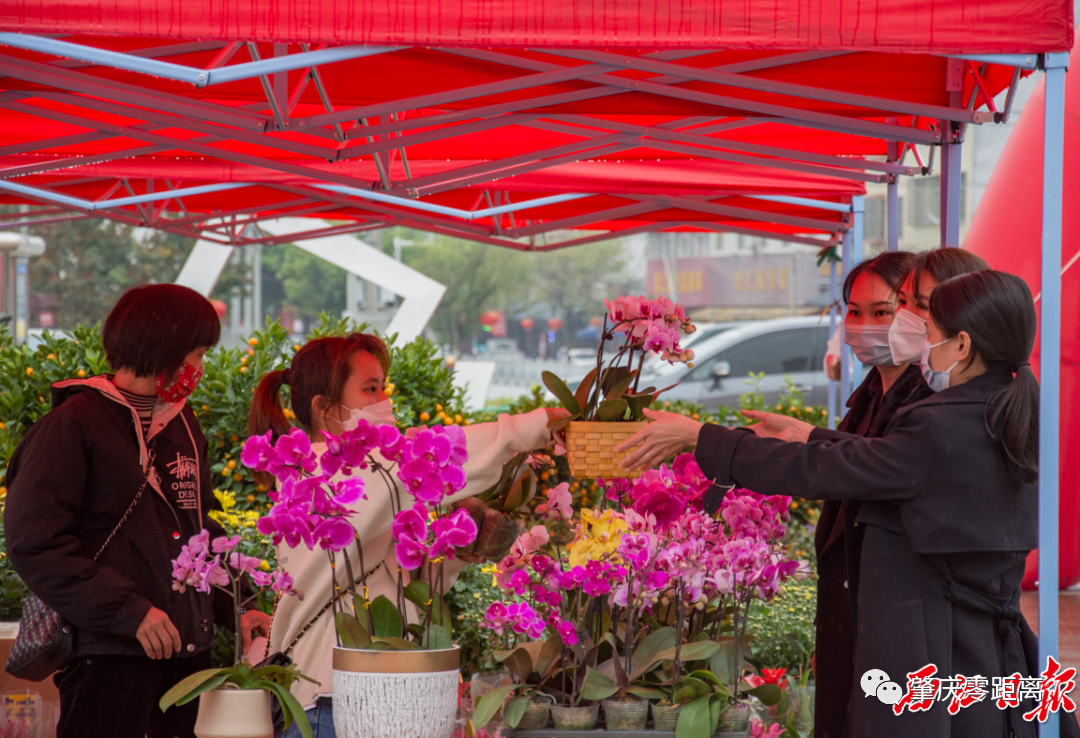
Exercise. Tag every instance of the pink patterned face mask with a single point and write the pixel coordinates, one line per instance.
(186, 380)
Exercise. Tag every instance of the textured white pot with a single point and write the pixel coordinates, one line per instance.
(234, 713)
(395, 694)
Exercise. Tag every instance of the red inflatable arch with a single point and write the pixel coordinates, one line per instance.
(1006, 232)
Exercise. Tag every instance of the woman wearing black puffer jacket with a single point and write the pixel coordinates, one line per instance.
(70, 482)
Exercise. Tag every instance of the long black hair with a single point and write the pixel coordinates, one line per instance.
(997, 311)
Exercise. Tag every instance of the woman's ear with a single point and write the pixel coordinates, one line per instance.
(320, 409)
(964, 350)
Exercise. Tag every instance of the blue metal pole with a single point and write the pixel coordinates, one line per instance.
(838, 207)
(1050, 363)
(858, 221)
(892, 204)
(181, 73)
(1024, 61)
(950, 188)
(845, 352)
(833, 409)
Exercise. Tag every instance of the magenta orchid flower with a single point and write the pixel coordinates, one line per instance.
(421, 477)
(411, 524)
(459, 530)
(410, 554)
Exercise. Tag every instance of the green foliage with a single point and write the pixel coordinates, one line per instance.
(88, 264)
(479, 277)
(298, 282)
(25, 393)
(784, 631)
(420, 383)
(467, 602)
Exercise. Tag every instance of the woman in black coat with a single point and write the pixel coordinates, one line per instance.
(875, 292)
(948, 507)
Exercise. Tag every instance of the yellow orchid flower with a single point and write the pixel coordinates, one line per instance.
(599, 535)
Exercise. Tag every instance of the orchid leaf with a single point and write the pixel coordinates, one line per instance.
(515, 710)
(696, 720)
(722, 663)
(612, 410)
(419, 593)
(438, 637)
(583, 391)
(596, 686)
(386, 618)
(648, 693)
(561, 391)
(290, 708)
(769, 694)
(645, 657)
(206, 686)
(638, 404)
(489, 703)
(184, 686)
(690, 689)
(611, 376)
(691, 651)
(549, 653)
(619, 388)
(519, 661)
(398, 644)
(351, 632)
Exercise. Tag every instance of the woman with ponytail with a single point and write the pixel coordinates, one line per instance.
(948, 509)
(333, 383)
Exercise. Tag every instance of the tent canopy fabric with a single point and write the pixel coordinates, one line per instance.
(499, 122)
(900, 26)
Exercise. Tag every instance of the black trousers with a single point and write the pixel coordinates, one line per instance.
(117, 697)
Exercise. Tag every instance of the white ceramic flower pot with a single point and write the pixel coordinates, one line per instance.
(395, 694)
(234, 713)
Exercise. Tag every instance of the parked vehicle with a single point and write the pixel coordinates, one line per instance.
(502, 348)
(582, 356)
(704, 331)
(785, 347)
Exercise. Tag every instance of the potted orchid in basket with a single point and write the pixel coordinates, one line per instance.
(234, 700)
(609, 405)
(407, 637)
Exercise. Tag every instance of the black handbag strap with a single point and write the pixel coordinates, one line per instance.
(134, 502)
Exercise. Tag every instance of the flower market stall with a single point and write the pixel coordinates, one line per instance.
(512, 124)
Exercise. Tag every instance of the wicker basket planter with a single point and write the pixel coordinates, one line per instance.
(590, 449)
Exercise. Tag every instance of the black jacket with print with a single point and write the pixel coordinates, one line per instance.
(69, 483)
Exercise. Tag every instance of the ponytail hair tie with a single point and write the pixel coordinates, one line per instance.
(1023, 364)
(286, 376)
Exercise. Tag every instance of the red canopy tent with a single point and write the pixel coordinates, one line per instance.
(508, 121)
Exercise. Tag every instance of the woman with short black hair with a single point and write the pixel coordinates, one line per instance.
(103, 492)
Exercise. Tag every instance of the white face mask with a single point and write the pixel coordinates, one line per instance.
(378, 413)
(935, 380)
(870, 343)
(907, 336)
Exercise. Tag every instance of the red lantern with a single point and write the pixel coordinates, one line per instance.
(554, 324)
(491, 317)
(527, 324)
(220, 308)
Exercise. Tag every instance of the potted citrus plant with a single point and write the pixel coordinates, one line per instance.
(608, 406)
